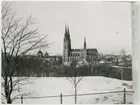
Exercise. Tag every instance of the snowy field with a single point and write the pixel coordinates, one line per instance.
(51, 86)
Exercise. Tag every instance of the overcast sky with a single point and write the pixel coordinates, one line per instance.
(106, 25)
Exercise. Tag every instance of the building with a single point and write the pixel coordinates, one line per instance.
(69, 54)
(46, 57)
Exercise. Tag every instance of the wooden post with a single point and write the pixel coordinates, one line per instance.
(75, 95)
(61, 98)
(21, 100)
(124, 97)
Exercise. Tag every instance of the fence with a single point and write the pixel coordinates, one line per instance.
(124, 97)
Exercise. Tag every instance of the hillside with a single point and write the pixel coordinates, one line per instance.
(50, 86)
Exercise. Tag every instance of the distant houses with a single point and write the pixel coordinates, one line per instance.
(115, 60)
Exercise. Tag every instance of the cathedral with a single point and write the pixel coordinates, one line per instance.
(85, 54)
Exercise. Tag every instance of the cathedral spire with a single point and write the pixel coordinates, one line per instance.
(84, 43)
(67, 36)
(66, 28)
(67, 31)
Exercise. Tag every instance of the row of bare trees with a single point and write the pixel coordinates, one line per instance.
(18, 39)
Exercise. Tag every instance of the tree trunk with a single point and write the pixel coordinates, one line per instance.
(75, 75)
(9, 101)
(75, 95)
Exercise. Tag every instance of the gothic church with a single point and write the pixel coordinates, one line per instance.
(69, 54)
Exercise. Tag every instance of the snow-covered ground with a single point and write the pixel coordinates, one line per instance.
(50, 86)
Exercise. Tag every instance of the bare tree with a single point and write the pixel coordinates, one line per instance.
(19, 37)
(75, 80)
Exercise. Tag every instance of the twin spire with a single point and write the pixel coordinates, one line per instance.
(67, 35)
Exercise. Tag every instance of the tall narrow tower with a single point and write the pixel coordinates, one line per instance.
(84, 49)
(66, 44)
(84, 43)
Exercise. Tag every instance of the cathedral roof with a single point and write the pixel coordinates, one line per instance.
(92, 49)
(75, 49)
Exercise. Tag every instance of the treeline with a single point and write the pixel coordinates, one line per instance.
(97, 70)
(108, 71)
(46, 69)
(34, 67)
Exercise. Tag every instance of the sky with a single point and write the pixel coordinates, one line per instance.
(106, 25)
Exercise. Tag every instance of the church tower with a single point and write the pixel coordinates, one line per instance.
(66, 44)
(84, 49)
(84, 43)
